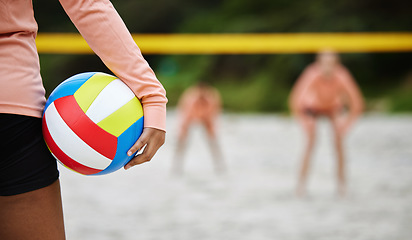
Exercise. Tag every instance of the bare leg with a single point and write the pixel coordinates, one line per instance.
(210, 126)
(340, 170)
(310, 128)
(217, 155)
(33, 215)
(177, 168)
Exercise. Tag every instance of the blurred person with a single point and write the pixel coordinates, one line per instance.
(199, 104)
(30, 198)
(325, 89)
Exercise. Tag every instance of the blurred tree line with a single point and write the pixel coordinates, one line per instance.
(251, 82)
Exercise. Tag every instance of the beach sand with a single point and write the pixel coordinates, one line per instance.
(255, 199)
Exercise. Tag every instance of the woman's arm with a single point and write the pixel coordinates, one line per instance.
(299, 90)
(354, 98)
(107, 35)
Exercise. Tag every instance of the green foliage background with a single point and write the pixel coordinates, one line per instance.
(258, 83)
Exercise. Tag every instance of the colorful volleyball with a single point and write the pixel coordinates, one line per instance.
(90, 122)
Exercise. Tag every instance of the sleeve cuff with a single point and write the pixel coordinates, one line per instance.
(155, 116)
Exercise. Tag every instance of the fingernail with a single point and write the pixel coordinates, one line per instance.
(129, 153)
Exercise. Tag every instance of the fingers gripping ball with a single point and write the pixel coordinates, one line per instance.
(90, 122)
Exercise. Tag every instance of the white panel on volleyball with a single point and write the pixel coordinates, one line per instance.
(112, 97)
(71, 144)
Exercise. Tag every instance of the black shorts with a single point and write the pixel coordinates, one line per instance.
(25, 162)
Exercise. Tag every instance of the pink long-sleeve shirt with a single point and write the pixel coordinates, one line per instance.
(21, 88)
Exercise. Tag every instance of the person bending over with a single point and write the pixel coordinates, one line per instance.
(199, 104)
(325, 89)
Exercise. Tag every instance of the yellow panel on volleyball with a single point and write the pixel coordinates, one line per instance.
(86, 94)
(120, 120)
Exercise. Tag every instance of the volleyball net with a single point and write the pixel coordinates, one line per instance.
(285, 43)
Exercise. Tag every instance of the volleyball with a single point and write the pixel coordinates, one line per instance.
(90, 121)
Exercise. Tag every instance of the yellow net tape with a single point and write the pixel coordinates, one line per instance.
(70, 43)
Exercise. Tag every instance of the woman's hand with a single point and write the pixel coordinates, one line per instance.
(153, 139)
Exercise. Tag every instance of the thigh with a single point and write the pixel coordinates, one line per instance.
(184, 128)
(32, 215)
(335, 122)
(30, 201)
(25, 162)
(308, 122)
(210, 127)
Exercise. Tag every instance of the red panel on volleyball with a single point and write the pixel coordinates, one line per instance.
(93, 135)
(63, 158)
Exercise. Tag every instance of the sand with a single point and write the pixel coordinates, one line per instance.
(255, 199)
